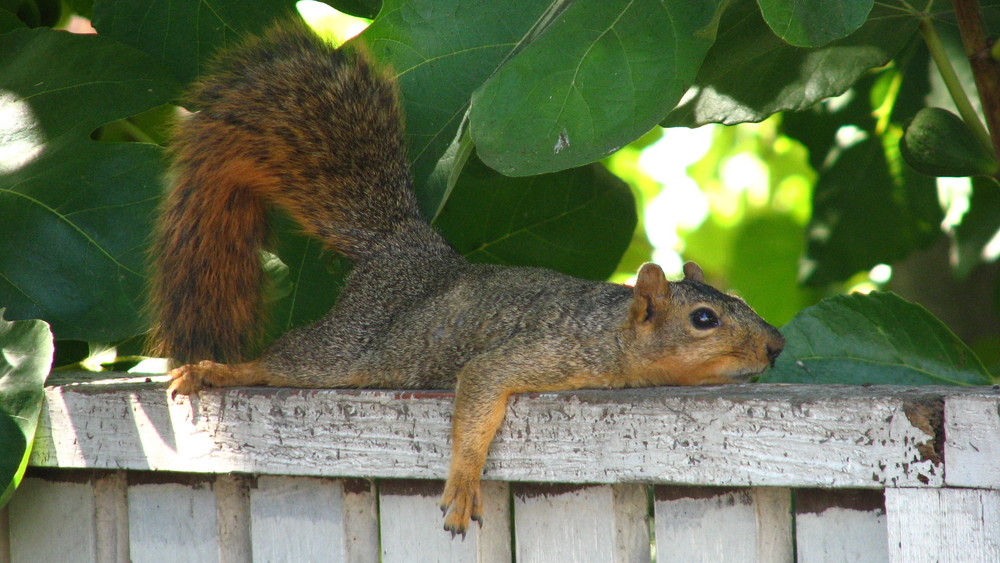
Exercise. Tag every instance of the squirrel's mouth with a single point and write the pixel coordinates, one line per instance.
(745, 375)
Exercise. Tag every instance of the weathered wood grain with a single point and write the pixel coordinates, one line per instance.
(232, 515)
(413, 532)
(943, 525)
(111, 514)
(311, 519)
(595, 523)
(832, 526)
(709, 524)
(272, 474)
(972, 445)
(173, 522)
(52, 521)
(740, 435)
(361, 521)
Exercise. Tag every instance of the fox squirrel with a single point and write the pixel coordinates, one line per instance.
(287, 121)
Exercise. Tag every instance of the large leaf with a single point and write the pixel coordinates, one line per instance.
(75, 213)
(814, 23)
(876, 338)
(600, 76)
(442, 50)
(750, 73)
(182, 35)
(865, 214)
(25, 359)
(577, 221)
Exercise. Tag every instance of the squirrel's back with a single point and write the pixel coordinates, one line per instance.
(283, 120)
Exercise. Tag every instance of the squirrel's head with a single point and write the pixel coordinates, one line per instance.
(689, 333)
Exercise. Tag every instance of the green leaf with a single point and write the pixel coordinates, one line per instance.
(749, 73)
(182, 35)
(814, 23)
(75, 213)
(26, 350)
(578, 221)
(878, 338)
(938, 143)
(313, 278)
(868, 206)
(33, 13)
(768, 283)
(600, 76)
(979, 226)
(439, 185)
(358, 8)
(442, 50)
(9, 21)
(83, 7)
(864, 214)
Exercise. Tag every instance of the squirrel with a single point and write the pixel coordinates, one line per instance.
(287, 121)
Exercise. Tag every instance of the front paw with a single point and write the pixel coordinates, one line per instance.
(191, 378)
(461, 503)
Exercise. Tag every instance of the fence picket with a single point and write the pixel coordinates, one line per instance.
(599, 523)
(840, 525)
(723, 524)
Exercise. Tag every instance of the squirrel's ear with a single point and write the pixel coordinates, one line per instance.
(651, 292)
(693, 272)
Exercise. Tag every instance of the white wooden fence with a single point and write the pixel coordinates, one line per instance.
(733, 473)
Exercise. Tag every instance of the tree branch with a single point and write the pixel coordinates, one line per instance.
(985, 68)
(953, 83)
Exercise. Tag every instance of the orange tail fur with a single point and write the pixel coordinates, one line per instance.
(284, 120)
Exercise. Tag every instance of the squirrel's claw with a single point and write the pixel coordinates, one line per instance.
(455, 529)
(190, 378)
(460, 504)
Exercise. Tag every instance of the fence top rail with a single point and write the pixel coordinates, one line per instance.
(834, 436)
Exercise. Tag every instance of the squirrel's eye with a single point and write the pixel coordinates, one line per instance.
(705, 319)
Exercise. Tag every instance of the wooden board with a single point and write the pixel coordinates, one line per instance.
(173, 522)
(412, 525)
(309, 519)
(739, 435)
(833, 526)
(972, 445)
(232, 516)
(943, 524)
(596, 523)
(708, 524)
(111, 517)
(52, 521)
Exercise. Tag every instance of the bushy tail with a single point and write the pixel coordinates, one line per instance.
(284, 120)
